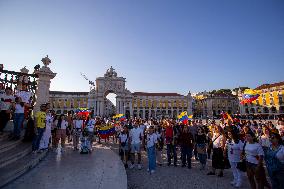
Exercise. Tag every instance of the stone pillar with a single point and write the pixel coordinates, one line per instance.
(96, 108)
(143, 113)
(117, 106)
(123, 107)
(130, 109)
(43, 84)
(101, 108)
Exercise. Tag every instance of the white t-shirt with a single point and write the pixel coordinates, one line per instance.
(264, 141)
(91, 125)
(151, 140)
(123, 137)
(25, 96)
(49, 121)
(78, 124)
(135, 134)
(19, 109)
(234, 150)
(63, 125)
(280, 154)
(142, 127)
(218, 142)
(7, 101)
(252, 151)
(159, 135)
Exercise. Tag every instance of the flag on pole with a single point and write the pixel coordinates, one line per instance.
(250, 95)
(183, 117)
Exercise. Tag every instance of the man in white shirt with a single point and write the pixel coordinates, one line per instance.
(136, 136)
(7, 101)
(90, 127)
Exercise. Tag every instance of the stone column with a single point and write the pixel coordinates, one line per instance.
(143, 113)
(117, 106)
(43, 84)
(130, 109)
(95, 108)
(101, 108)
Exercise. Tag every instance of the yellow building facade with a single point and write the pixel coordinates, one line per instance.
(62, 102)
(270, 101)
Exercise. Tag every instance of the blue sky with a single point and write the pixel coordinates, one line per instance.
(157, 45)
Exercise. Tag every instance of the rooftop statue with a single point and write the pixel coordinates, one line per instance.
(110, 72)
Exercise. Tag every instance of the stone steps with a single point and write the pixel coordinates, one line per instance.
(4, 136)
(13, 154)
(7, 145)
(22, 165)
(16, 158)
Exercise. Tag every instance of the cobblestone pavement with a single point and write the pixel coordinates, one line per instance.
(100, 170)
(176, 177)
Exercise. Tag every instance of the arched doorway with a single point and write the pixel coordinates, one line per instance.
(110, 103)
(265, 110)
(273, 110)
(105, 104)
(281, 109)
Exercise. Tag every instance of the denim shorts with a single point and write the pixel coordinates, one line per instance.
(135, 148)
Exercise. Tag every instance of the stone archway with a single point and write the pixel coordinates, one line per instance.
(110, 83)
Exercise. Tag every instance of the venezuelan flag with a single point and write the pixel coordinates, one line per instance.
(106, 131)
(121, 117)
(183, 117)
(250, 95)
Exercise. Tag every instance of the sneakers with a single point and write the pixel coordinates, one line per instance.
(233, 183)
(131, 166)
(237, 185)
(139, 166)
(211, 173)
(152, 171)
(148, 170)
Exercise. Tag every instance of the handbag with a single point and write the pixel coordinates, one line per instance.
(201, 148)
(242, 166)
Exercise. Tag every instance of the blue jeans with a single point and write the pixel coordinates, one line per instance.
(171, 149)
(186, 155)
(37, 138)
(18, 121)
(202, 158)
(151, 158)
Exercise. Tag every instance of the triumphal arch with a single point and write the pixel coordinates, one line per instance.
(137, 104)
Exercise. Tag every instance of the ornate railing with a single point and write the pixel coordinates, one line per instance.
(13, 79)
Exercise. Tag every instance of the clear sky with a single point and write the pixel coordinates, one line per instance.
(157, 45)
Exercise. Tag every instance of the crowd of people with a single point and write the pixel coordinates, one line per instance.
(254, 147)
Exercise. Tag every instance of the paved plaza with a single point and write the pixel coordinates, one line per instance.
(176, 177)
(102, 170)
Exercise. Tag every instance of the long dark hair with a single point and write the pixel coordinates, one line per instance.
(60, 120)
